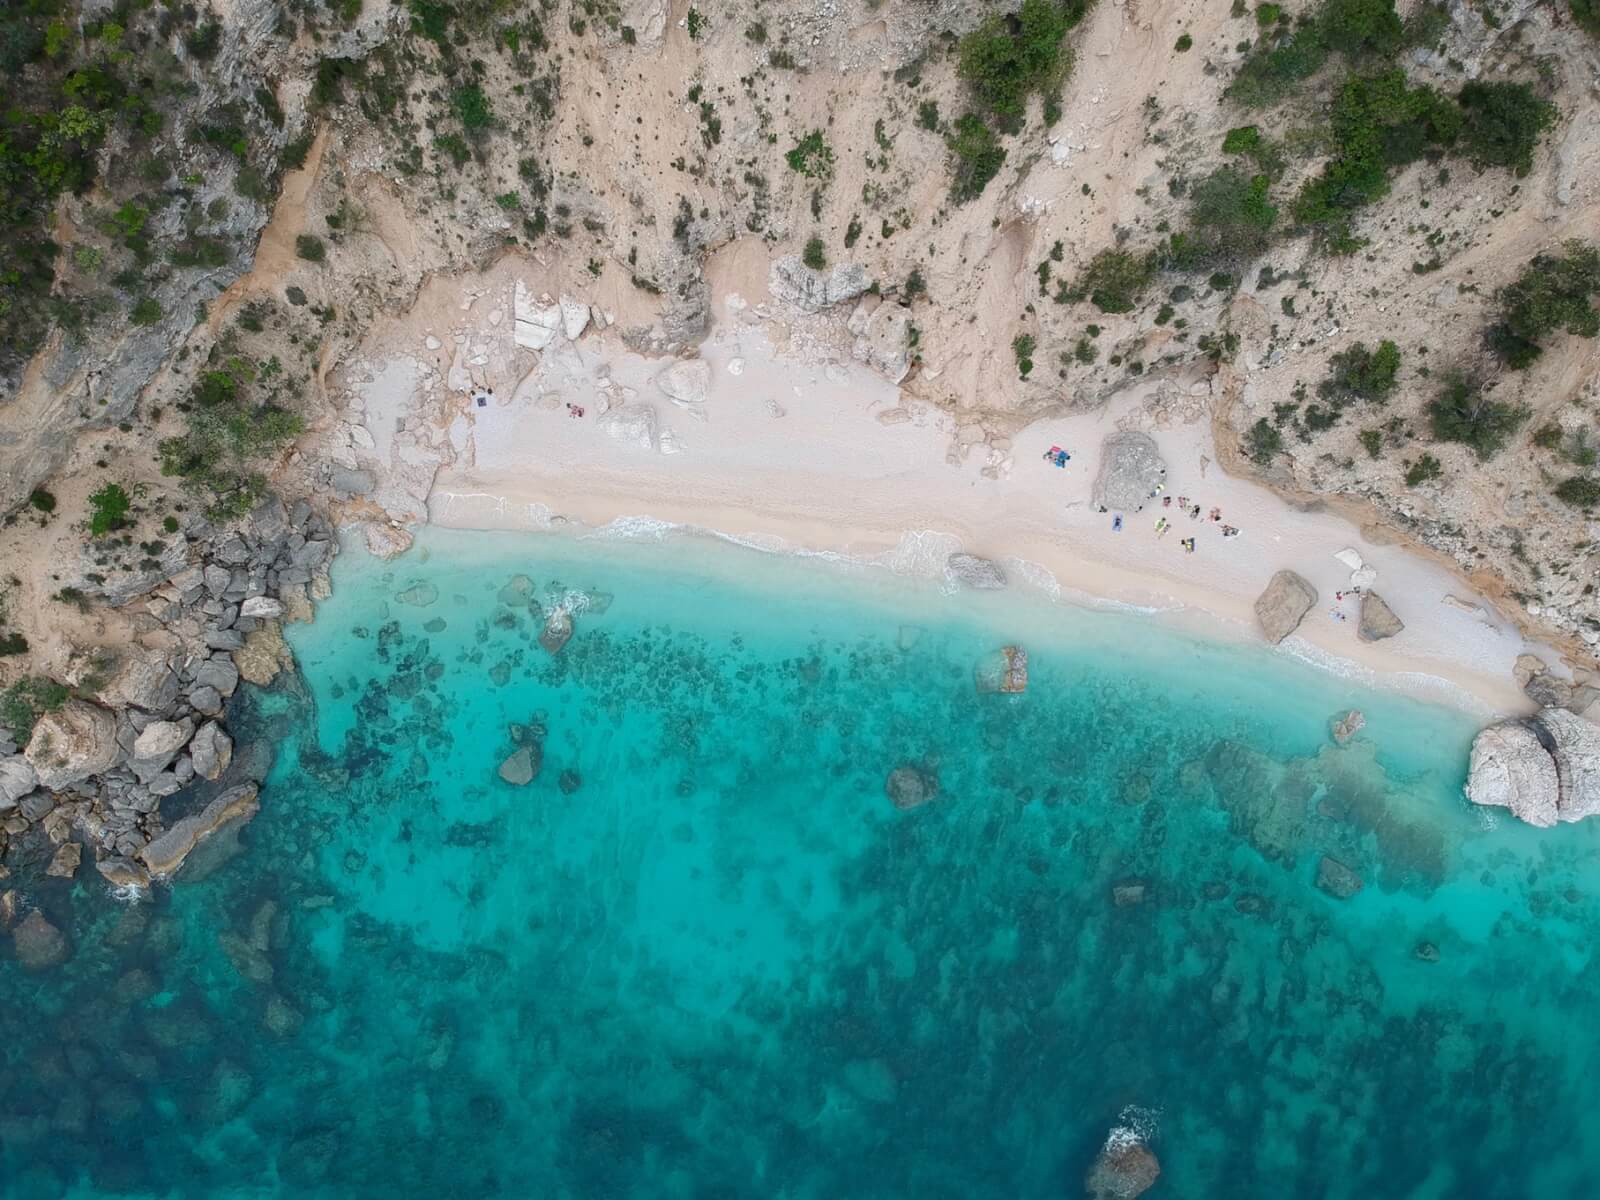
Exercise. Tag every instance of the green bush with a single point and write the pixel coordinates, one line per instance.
(928, 115)
(1263, 442)
(1586, 14)
(1183, 44)
(1502, 124)
(12, 644)
(1358, 29)
(1361, 374)
(1553, 293)
(815, 255)
(472, 107)
(24, 702)
(1009, 57)
(1425, 468)
(146, 312)
(226, 434)
(1580, 491)
(811, 157)
(108, 509)
(1362, 27)
(1023, 346)
(1231, 222)
(1464, 413)
(309, 247)
(1114, 280)
(1372, 441)
(42, 500)
(977, 156)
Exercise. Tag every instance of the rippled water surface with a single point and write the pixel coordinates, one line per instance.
(702, 954)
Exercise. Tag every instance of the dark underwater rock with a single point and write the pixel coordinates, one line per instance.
(1126, 1168)
(1337, 879)
(38, 943)
(519, 767)
(911, 787)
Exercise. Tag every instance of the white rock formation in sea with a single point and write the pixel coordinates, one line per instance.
(1544, 769)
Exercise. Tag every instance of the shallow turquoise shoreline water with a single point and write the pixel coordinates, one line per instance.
(702, 954)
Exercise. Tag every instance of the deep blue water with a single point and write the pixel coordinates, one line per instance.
(702, 954)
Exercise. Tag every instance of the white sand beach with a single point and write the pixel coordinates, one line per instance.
(797, 448)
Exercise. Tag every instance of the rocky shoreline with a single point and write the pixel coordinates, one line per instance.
(151, 728)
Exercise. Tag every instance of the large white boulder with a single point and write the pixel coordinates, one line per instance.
(72, 743)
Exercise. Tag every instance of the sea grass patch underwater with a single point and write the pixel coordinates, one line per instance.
(703, 954)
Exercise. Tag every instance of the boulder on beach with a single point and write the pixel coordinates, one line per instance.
(72, 743)
(790, 281)
(686, 383)
(1005, 671)
(1131, 469)
(633, 425)
(1283, 605)
(971, 571)
(1377, 619)
(1125, 1168)
(911, 787)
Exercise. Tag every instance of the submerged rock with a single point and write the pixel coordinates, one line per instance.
(520, 766)
(911, 787)
(39, 944)
(1377, 619)
(974, 572)
(123, 873)
(64, 863)
(1125, 1168)
(1337, 879)
(1131, 469)
(419, 595)
(1347, 726)
(1283, 604)
(1006, 670)
(557, 630)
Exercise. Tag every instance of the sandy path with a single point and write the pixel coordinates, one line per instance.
(828, 475)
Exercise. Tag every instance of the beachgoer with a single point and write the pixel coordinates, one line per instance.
(1216, 513)
(1166, 502)
(1116, 523)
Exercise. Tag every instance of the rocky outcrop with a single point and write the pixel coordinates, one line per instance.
(1126, 1167)
(1347, 725)
(882, 335)
(911, 786)
(1005, 671)
(1283, 605)
(557, 630)
(792, 282)
(1336, 879)
(1131, 469)
(1377, 619)
(17, 779)
(1545, 769)
(686, 383)
(166, 854)
(73, 743)
(971, 571)
(211, 751)
(156, 746)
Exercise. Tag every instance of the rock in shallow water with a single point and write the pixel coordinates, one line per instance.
(520, 767)
(1336, 879)
(1545, 769)
(39, 944)
(911, 787)
(1006, 670)
(164, 856)
(1126, 1167)
(1347, 726)
(974, 572)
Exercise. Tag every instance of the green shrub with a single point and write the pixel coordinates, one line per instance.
(1425, 468)
(1009, 57)
(1362, 27)
(928, 115)
(226, 434)
(12, 644)
(815, 255)
(977, 156)
(811, 157)
(170, 524)
(1231, 222)
(1503, 123)
(1586, 14)
(1273, 71)
(42, 500)
(1023, 346)
(1464, 413)
(1183, 44)
(24, 702)
(146, 312)
(1242, 140)
(1114, 280)
(1263, 442)
(1361, 374)
(1552, 294)
(472, 108)
(1580, 491)
(309, 247)
(1372, 441)
(204, 40)
(696, 24)
(108, 509)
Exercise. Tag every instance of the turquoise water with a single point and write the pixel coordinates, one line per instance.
(702, 954)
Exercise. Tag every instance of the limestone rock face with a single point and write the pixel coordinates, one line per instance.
(123, 872)
(17, 779)
(1577, 757)
(911, 787)
(142, 681)
(263, 655)
(1131, 469)
(537, 322)
(72, 743)
(686, 383)
(1281, 607)
(164, 856)
(974, 572)
(1545, 769)
(1377, 619)
(792, 282)
(883, 338)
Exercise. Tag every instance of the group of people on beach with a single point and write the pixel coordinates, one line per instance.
(1336, 613)
(1191, 510)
